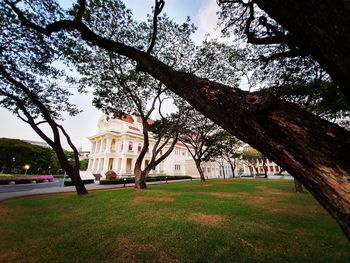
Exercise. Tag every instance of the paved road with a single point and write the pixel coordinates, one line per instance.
(16, 191)
(28, 187)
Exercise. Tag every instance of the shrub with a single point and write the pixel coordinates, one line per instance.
(148, 179)
(25, 179)
(111, 175)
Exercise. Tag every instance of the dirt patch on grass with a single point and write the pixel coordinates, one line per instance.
(4, 211)
(251, 199)
(208, 220)
(130, 250)
(226, 194)
(260, 199)
(272, 191)
(204, 185)
(145, 199)
(9, 256)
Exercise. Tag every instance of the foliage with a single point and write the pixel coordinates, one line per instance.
(251, 158)
(227, 149)
(278, 64)
(83, 164)
(15, 154)
(29, 77)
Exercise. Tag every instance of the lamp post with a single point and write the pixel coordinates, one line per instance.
(13, 162)
(49, 169)
(26, 167)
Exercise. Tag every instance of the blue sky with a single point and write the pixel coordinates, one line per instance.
(202, 13)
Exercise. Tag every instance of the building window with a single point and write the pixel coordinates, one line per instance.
(177, 167)
(130, 146)
(121, 146)
(277, 169)
(271, 169)
(139, 147)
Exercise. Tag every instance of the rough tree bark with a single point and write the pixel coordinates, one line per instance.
(298, 186)
(321, 28)
(315, 151)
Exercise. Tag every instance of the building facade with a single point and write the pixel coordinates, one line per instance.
(119, 141)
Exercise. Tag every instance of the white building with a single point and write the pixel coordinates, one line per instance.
(118, 143)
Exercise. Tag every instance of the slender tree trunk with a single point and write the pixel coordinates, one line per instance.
(201, 174)
(232, 168)
(223, 171)
(140, 176)
(71, 171)
(264, 166)
(298, 186)
(74, 175)
(251, 170)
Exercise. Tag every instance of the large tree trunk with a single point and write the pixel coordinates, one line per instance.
(200, 171)
(321, 28)
(73, 174)
(298, 186)
(140, 176)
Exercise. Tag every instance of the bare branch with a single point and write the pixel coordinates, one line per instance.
(159, 4)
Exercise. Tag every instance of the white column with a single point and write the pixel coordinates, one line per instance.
(94, 169)
(109, 143)
(105, 165)
(123, 166)
(90, 164)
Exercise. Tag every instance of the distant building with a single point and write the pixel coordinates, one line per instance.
(118, 143)
(83, 155)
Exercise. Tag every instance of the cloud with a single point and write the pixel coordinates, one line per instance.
(207, 18)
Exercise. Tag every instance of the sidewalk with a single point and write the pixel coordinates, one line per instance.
(70, 189)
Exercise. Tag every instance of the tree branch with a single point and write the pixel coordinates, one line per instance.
(159, 4)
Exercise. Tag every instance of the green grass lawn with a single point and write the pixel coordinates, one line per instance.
(219, 221)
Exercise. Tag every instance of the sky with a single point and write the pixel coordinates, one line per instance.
(80, 127)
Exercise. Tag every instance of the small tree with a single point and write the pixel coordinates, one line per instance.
(28, 87)
(228, 149)
(199, 135)
(251, 158)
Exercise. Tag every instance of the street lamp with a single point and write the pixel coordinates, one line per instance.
(13, 163)
(26, 167)
(49, 169)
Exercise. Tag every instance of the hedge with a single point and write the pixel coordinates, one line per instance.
(148, 179)
(26, 179)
